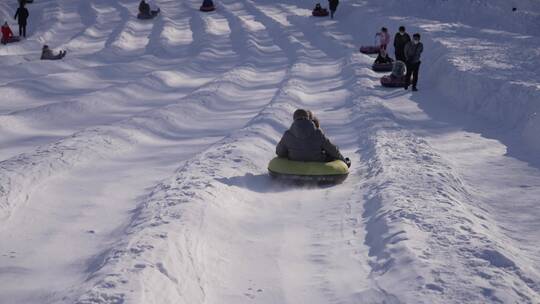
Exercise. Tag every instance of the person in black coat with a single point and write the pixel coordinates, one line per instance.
(383, 57)
(22, 16)
(333, 4)
(305, 142)
(413, 51)
(400, 40)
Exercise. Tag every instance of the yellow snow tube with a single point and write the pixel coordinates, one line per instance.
(333, 172)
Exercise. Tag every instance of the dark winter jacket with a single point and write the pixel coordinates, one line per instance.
(304, 142)
(333, 4)
(400, 41)
(144, 8)
(22, 14)
(413, 52)
(381, 59)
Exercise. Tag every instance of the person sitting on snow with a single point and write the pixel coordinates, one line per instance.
(48, 54)
(383, 57)
(7, 35)
(399, 69)
(208, 3)
(305, 142)
(317, 8)
(145, 12)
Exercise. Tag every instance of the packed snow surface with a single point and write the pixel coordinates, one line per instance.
(134, 170)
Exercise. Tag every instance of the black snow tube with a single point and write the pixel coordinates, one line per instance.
(383, 67)
(318, 172)
(320, 13)
(207, 8)
(393, 82)
(370, 50)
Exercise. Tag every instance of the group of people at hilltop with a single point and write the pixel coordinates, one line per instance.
(21, 15)
(408, 53)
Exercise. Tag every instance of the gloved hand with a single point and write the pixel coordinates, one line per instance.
(348, 162)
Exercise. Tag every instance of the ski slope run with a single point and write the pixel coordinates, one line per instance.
(134, 171)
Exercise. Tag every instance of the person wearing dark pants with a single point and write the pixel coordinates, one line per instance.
(400, 40)
(333, 4)
(413, 51)
(22, 16)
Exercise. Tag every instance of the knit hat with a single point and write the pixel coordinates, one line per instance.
(300, 114)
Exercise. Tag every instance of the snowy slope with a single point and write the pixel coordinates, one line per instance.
(134, 171)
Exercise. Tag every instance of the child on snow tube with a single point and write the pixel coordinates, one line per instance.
(145, 12)
(397, 78)
(7, 35)
(318, 11)
(383, 62)
(207, 6)
(48, 54)
(304, 152)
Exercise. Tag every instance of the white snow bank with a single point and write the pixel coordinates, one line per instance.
(478, 55)
(493, 14)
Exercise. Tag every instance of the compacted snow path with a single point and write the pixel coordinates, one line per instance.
(134, 171)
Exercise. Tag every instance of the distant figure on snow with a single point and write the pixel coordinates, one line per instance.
(314, 119)
(383, 57)
(305, 142)
(22, 16)
(413, 51)
(7, 35)
(400, 40)
(333, 4)
(318, 7)
(48, 54)
(384, 38)
(145, 12)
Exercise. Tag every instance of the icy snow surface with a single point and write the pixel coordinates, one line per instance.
(134, 170)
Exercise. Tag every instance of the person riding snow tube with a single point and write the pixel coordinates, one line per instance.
(207, 6)
(383, 63)
(305, 154)
(145, 12)
(318, 11)
(397, 78)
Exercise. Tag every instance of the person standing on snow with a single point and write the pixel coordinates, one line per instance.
(22, 16)
(333, 4)
(413, 51)
(384, 38)
(400, 40)
(305, 142)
